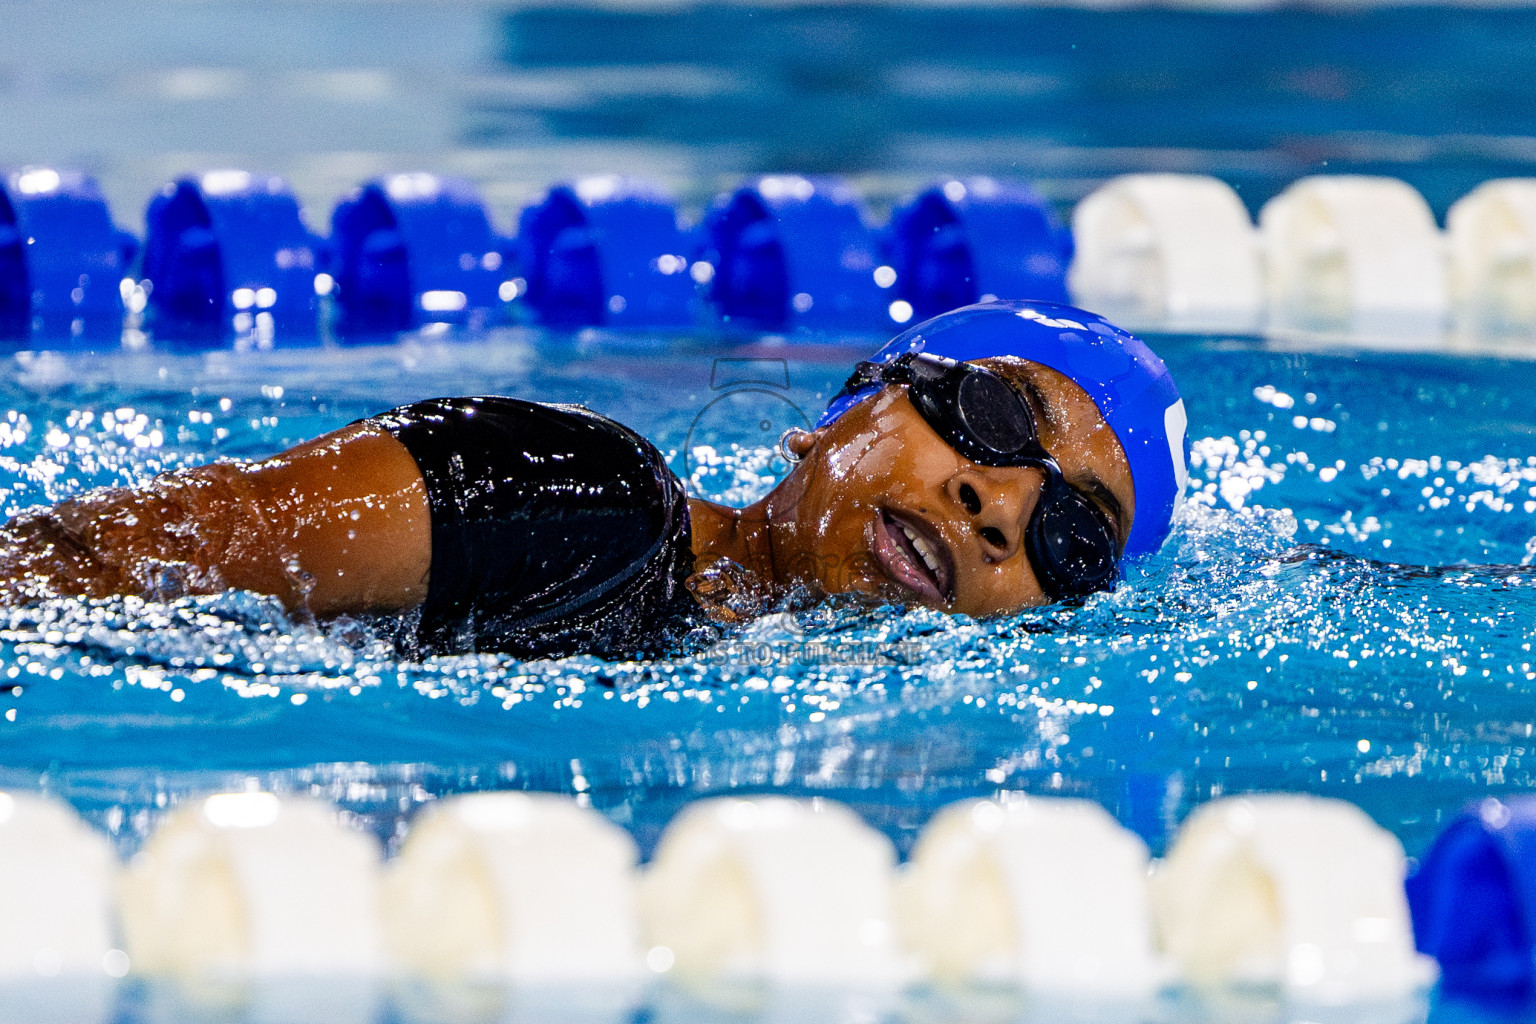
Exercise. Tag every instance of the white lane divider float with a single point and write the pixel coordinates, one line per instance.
(1168, 252)
(58, 960)
(57, 880)
(773, 889)
(1298, 891)
(519, 886)
(1356, 253)
(1491, 233)
(250, 884)
(1047, 893)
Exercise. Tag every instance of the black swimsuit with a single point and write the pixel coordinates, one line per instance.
(555, 531)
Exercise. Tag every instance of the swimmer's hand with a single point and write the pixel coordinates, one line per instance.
(172, 537)
(727, 591)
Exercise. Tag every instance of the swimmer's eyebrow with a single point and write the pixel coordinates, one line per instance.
(1036, 396)
(1099, 490)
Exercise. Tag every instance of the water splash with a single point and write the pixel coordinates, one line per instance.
(1277, 642)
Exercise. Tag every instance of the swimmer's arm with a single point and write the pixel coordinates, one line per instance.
(337, 525)
(351, 508)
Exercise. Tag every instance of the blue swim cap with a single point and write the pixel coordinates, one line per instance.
(1126, 380)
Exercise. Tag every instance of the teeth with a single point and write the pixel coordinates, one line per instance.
(922, 548)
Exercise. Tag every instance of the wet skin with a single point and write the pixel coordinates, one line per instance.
(338, 524)
(844, 519)
(341, 524)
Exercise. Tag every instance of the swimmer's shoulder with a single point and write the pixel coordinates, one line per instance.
(513, 436)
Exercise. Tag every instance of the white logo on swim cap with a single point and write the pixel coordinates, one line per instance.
(1175, 423)
(1045, 321)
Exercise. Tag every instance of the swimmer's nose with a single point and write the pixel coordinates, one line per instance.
(997, 504)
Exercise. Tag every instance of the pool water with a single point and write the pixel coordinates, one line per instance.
(1346, 607)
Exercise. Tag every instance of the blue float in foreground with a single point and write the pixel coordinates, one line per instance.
(793, 253)
(226, 253)
(1473, 900)
(62, 260)
(606, 251)
(964, 241)
(415, 249)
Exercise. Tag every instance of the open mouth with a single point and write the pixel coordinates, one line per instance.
(911, 553)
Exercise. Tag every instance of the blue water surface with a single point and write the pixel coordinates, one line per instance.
(1345, 608)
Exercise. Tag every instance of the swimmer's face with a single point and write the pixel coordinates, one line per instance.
(878, 489)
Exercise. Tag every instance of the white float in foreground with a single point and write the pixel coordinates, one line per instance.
(1492, 241)
(1298, 891)
(57, 879)
(772, 888)
(1048, 893)
(1171, 251)
(251, 884)
(514, 886)
(1354, 252)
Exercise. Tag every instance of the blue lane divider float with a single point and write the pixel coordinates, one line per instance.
(964, 241)
(788, 252)
(415, 249)
(229, 252)
(606, 251)
(1473, 900)
(62, 260)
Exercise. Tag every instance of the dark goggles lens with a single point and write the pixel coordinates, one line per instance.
(1068, 539)
(994, 414)
(1069, 542)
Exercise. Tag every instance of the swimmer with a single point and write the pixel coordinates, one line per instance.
(996, 457)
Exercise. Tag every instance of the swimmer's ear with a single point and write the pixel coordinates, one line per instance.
(796, 444)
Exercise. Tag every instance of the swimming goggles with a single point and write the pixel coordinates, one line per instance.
(1068, 539)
